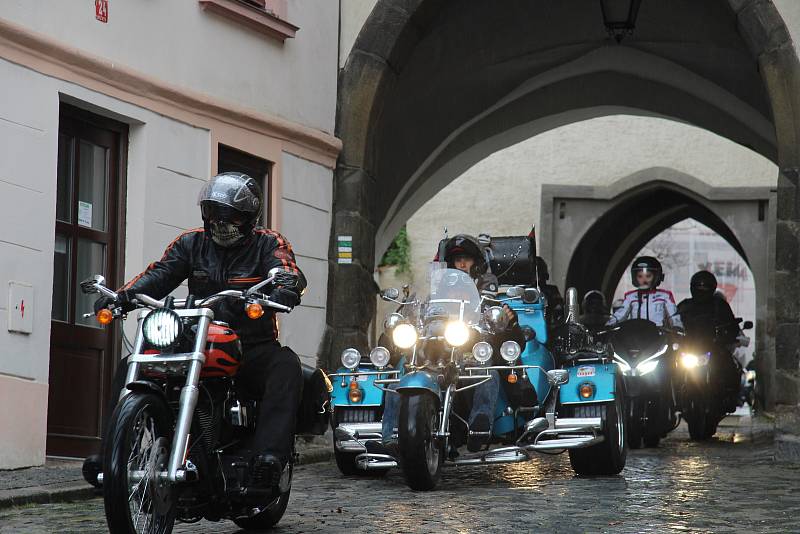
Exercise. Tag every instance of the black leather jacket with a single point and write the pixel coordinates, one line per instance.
(211, 269)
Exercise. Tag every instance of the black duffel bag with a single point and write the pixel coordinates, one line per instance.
(313, 417)
(513, 260)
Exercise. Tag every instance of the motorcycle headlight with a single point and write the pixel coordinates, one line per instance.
(482, 351)
(162, 327)
(689, 360)
(510, 351)
(623, 365)
(456, 333)
(647, 367)
(351, 358)
(404, 336)
(379, 357)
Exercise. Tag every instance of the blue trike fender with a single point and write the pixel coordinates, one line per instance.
(419, 380)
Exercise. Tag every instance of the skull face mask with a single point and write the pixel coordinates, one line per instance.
(225, 234)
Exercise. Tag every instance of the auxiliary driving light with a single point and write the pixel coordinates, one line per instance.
(404, 336)
(350, 358)
(482, 351)
(379, 356)
(456, 333)
(510, 351)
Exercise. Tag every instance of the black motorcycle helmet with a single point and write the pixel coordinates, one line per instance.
(466, 245)
(231, 207)
(645, 264)
(703, 285)
(594, 302)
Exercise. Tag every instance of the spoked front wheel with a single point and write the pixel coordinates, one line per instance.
(420, 452)
(138, 500)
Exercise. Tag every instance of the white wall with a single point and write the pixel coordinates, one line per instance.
(177, 41)
(595, 152)
(306, 220)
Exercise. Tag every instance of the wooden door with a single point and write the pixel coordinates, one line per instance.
(88, 228)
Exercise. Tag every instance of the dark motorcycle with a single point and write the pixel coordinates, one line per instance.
(710, 379)
(177, 444)
(644, 354)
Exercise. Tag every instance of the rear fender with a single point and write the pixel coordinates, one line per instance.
(602, 376)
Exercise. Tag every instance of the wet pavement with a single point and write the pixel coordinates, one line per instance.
(729, 484)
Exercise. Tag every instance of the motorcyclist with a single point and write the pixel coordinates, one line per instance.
(555, 302)
(465, 253)
(231, 251)
(647, 301)
(595, 311)
(708, 318)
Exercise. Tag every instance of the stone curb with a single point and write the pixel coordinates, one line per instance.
(77, 491)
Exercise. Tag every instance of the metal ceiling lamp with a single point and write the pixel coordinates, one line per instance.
(619, 17)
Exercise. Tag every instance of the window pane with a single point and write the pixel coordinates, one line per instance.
(61, 263)
(91, 261)
(92, 185)
(66, 168)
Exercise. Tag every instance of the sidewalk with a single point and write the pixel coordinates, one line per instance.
(61, 480)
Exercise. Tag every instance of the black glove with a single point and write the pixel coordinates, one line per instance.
(511, 315)
(123, 301)
(287, 297)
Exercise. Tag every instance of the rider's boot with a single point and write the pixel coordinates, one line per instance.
(93, 466)
(266, 472)
(479, 433)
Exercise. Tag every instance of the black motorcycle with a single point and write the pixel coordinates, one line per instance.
(710, 380)
(177, 444)
(644, 354)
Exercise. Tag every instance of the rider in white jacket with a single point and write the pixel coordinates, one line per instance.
(647, 301)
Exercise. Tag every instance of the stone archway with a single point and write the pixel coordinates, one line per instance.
(428, 86)
(608, 225)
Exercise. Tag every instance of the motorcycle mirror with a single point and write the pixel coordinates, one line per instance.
(390, 293)
(496, 317)
(88, 285)
(747, 325)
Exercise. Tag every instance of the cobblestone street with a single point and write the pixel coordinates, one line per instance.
(729, 484)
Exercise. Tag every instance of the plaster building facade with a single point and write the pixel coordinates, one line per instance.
(112, 117)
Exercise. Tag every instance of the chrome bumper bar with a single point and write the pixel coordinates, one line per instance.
(352, 437)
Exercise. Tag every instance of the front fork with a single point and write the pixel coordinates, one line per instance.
(189, 393)
(444, 424)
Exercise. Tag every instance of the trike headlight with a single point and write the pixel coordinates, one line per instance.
(351, 358)
(404, 336)
(379, 356)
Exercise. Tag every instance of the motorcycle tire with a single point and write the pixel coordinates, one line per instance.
(634, 423)
(138, 416)
(607, 457)
(269, 516)
(346, 462)
(701, 425)
(657, 421)
(421, 456)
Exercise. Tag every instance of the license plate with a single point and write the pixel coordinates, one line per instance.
(586, 371)
(362, 378)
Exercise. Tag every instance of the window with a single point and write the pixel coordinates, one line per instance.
(231, 160)
(264, 16)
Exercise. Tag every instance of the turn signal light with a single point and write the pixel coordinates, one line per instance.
(586, 391)
(355, 394)
(254, 310)
(512, 378)
(105, 316)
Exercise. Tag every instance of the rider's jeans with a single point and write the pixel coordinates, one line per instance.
(484, 401)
